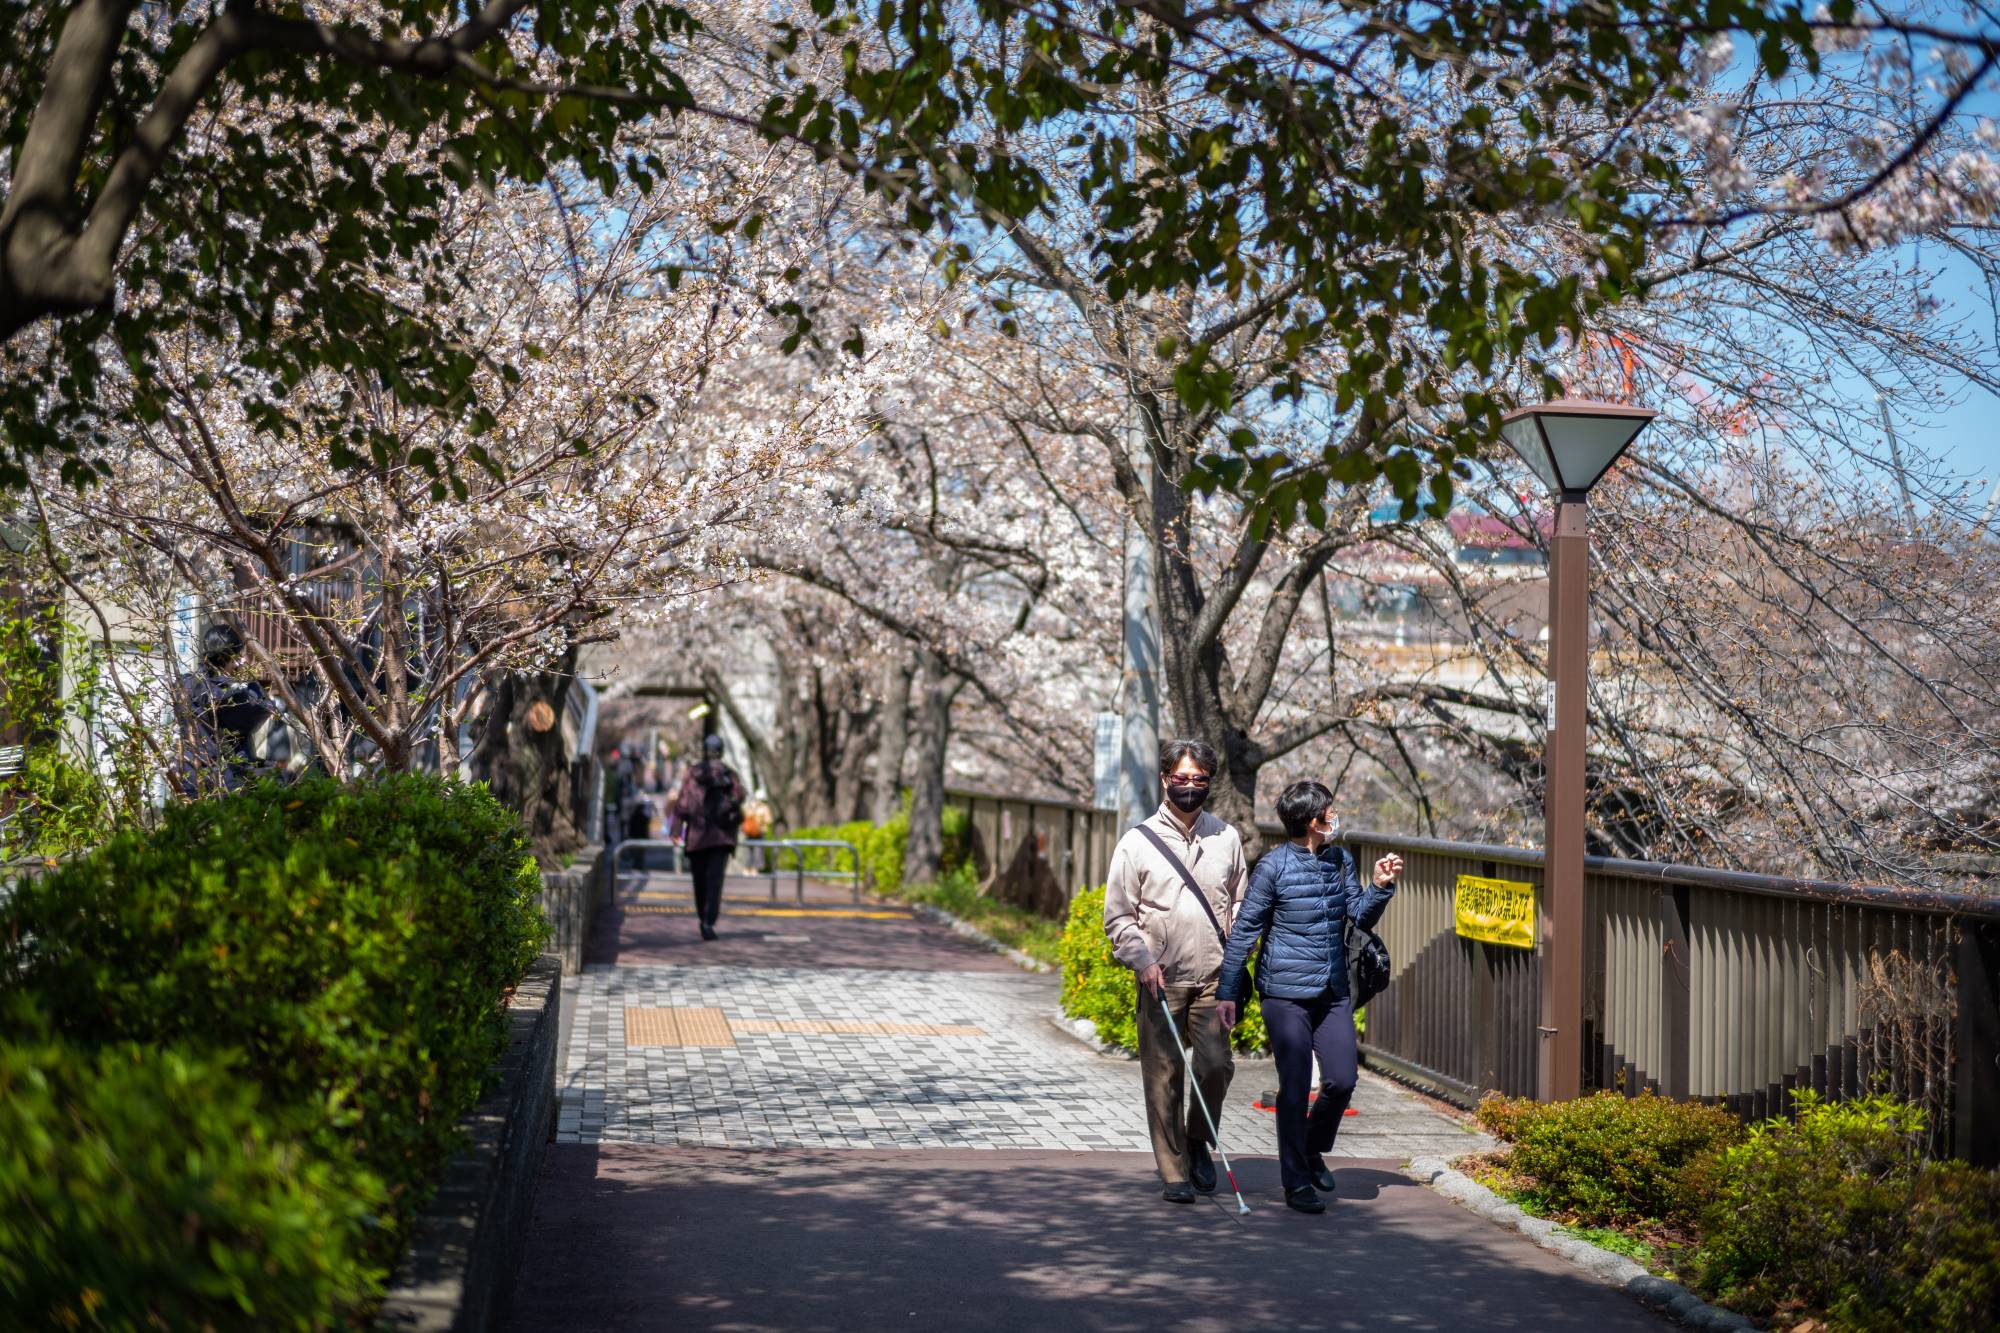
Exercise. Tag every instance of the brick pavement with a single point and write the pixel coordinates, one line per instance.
(841, 1120)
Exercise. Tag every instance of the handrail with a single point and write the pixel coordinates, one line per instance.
(1940, 902)
(853, 852)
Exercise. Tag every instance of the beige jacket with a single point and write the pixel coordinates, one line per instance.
(1149, 916)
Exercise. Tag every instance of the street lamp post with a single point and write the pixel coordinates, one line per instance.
(1569, 444)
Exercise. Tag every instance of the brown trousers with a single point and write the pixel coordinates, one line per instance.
(1172, 1118)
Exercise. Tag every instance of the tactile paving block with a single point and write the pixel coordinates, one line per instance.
(677, 1027)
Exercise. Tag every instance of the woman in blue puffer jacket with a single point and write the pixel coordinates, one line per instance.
(1301, 897)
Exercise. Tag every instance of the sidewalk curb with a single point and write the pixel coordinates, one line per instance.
(1085, 1031)
(959, 926)
(1613, 1270)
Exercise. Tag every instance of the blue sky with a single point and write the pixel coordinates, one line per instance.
(1967, 434)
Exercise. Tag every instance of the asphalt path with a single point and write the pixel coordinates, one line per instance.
(632, 1237)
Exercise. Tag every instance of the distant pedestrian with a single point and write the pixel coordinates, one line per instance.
(1302, 896)
(639, 817)
(1170, 894)
(757, 820)
(709, 815)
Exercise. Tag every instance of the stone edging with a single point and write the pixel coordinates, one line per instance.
(1085, 1031)
(1613, 1270)
(960, 926)
(458, 1267)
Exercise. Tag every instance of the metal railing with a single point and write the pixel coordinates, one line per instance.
(1710, 985)
(797, 845)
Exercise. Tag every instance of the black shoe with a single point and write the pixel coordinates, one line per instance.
(707, 931)
(1304, 1200)
(1201, 1167)
(1322, 1178)
(1178, 1192)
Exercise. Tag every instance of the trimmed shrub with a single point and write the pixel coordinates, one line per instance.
(881, 847)
(1606, 1158)
(1838, 1212)
(1096, 986)
(148, 1189)
(353, 944)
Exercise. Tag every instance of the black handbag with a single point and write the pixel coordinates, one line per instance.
(1368, 966)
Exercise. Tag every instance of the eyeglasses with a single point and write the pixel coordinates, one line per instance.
(1183, 780)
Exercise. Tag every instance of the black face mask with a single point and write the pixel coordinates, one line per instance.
(1187, 799)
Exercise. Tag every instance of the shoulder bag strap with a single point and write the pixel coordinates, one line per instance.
(1187, 878)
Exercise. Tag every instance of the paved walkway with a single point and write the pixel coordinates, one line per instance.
(794, 1127)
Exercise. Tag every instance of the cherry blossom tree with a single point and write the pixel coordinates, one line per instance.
(638, 429)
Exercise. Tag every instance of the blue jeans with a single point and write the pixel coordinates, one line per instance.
(1300, 1030)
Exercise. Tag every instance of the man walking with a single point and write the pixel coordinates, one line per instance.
(1175, 882)
(709, 812)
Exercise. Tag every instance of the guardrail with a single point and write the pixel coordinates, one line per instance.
(1710, 985)
(797, 845)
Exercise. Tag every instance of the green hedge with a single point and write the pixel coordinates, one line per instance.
(1838, 1212)
(347, 950)
(146, 1187)
(1606, 1158)
(1098, 987)
(881, 847)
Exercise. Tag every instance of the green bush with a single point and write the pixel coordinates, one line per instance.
(1606, 1158)
(957, 892)
(1096, 986)
(353, 944)
(957, 837)
(881, 847)
(69, 791)
(882, 854)
(1837, 1212)
(147, 1188)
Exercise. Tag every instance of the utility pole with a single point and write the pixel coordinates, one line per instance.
(1139, 684)
(1896, 462)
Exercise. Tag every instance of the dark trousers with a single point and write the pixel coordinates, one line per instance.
(708, 868)
(1300, 1030)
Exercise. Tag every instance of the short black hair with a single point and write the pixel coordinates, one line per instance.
(1302, 803)
(1186, 747)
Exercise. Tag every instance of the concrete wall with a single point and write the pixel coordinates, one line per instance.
(458, 1270)
(570, 900)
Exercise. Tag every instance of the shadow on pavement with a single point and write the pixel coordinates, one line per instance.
(630, 1237)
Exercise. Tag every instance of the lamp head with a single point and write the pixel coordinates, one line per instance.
(1572, 442)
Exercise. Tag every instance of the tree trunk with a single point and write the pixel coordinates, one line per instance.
(850, 776)
(923, 856)
(1196, 678)
(895, 736)
(524, 760)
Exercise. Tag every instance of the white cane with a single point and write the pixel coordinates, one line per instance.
(1194, 1086)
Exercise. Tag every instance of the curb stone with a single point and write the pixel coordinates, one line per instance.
(1085, 1031)
(959, 926)
(1613, 1270)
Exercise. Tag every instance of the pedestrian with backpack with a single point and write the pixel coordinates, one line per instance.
(709, 812)
(1173, 887)
(1302, 913)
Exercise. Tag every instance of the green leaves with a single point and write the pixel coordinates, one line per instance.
(332, 957)
(283, 232)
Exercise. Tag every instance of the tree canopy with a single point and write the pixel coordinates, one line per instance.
(218, 169)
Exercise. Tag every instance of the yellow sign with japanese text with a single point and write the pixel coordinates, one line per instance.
(1498, 911)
